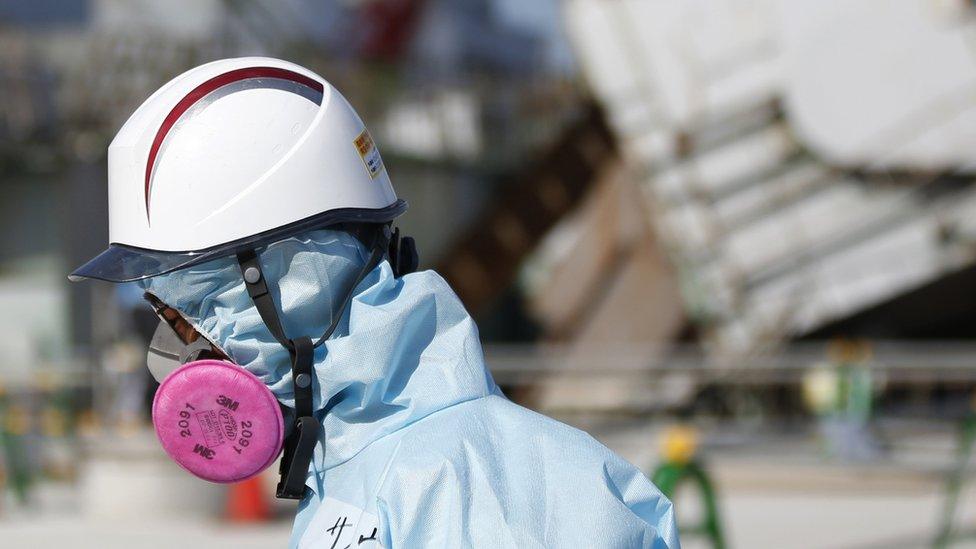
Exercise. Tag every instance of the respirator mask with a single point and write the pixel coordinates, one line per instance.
(219, 421)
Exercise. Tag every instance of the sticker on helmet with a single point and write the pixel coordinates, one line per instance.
(369, 153)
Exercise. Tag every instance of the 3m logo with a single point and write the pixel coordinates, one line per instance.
(369, 153)
(205, 452)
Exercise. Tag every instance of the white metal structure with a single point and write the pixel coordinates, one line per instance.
(882, 83)
(771, 239)
(233, 150)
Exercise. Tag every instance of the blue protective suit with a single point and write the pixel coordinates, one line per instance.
(419, 446)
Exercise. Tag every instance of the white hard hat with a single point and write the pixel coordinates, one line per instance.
(231, 155)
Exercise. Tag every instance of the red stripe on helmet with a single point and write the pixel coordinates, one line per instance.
(210, 85)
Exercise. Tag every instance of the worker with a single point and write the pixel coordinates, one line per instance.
(251, 204)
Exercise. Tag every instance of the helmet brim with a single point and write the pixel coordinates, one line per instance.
(124, 263)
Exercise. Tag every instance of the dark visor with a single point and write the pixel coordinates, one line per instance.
(123, 263)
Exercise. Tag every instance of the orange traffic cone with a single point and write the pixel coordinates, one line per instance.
(246, 501)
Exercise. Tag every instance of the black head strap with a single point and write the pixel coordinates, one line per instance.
(381, 239)
(257, 288)
(300, 444)
(402, 254)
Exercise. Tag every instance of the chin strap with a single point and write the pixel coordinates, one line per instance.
(300, 443)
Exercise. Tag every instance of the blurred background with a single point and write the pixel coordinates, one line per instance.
(735, 240)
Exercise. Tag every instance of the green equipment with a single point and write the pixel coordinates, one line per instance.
(954, 483)
(680, 468)
(13, 427)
